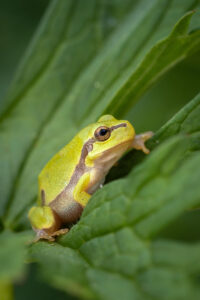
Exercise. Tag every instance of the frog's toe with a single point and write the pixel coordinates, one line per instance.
(42, 235)
(60, 232)
(139, 141)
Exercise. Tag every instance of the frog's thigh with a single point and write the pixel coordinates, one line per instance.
(140, 139)
(44, 221)
(41, 217)
(80, 194)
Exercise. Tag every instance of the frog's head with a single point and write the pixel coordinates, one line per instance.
(109, 139)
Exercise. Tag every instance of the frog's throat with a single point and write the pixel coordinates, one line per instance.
(73, 210)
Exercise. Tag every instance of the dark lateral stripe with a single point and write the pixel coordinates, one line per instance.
(117, 126)
(79, 169)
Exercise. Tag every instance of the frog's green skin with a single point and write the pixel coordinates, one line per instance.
(70, 178)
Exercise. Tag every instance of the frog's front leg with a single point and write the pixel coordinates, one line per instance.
(45, 223)
(80, 191)
(139, 141)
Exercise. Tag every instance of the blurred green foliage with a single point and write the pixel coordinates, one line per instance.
(84, 56)
(32, 286)
(18, 21)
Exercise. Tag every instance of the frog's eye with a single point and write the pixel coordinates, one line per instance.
(102, 133)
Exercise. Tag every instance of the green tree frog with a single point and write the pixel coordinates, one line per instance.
(69, 179)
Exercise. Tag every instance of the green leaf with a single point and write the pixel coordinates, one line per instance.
(53, 64)
(114, 245)
(45, 91)
(176, 47)
(13, 253)
(87, 58)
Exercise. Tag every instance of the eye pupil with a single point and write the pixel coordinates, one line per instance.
(103, 132)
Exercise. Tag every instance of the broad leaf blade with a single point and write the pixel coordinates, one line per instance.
(162, 56)
(78, 103)
(52, 65)
(115, 234)
(13, 253)
(60, 87)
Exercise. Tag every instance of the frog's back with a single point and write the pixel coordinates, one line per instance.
(57, 173)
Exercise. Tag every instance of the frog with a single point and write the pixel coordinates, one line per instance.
(77, 171)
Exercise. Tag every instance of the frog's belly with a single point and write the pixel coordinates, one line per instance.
(67, 209)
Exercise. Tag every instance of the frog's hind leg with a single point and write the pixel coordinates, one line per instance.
(44, 221)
